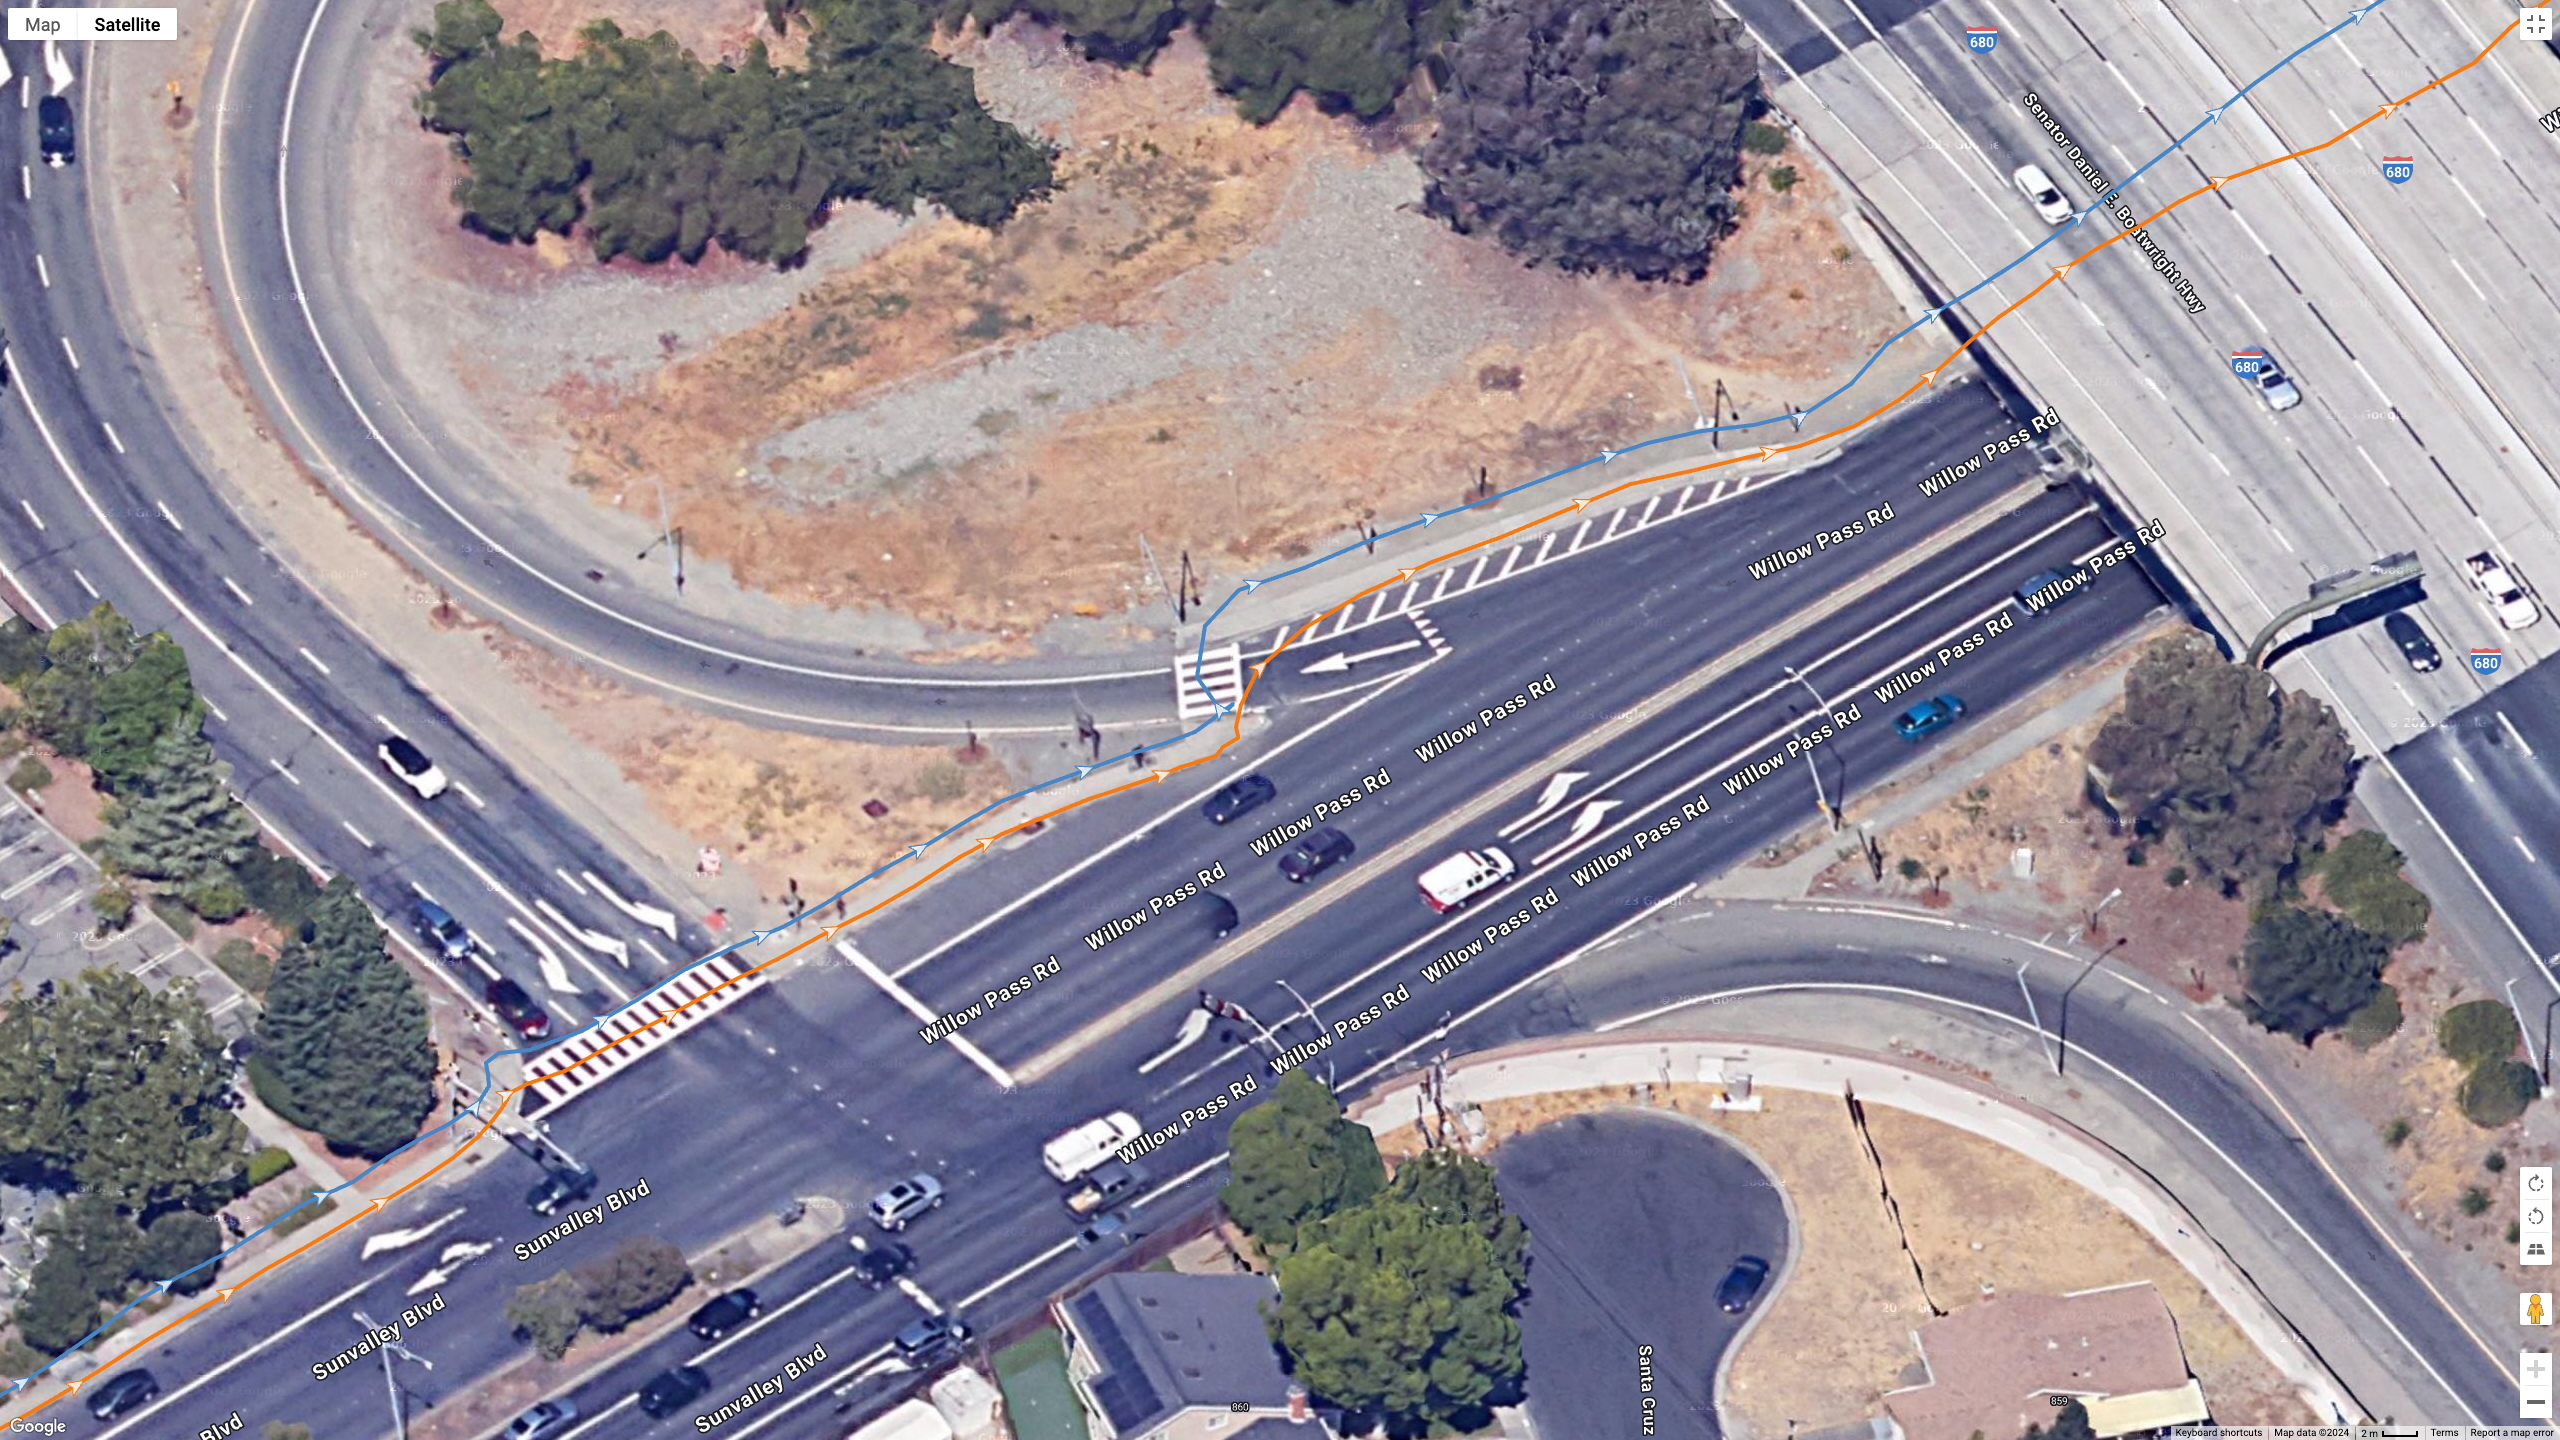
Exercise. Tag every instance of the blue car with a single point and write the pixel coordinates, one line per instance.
(1928, 717)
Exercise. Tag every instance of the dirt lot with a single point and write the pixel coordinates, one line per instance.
(1981, 1218)
(1234, 339)
(778, 805)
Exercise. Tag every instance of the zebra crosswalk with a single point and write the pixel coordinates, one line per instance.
(595, 1055)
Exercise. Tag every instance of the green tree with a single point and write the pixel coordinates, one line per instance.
(1594, 135)
(2477, 1032)
(175, 1248)
(343, 1045)
(57, 1308)
(643, 1273)
(2244, 775)
(1352, 55)
(548, 1313)
(2497, 1091)
(120, 1089)
(2071, 1423)
(1386, 1310)
(178, 823)
(1119, 32)
(1293, 1159)
(62, 701)
(2361, 875)
(138, 708)
(89, 1249)
(2306, 971)
(1450, 1188)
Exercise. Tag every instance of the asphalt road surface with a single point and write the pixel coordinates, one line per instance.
(2488, 773)
(1634, 1218)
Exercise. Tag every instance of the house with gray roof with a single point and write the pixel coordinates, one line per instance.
(1158, 1356)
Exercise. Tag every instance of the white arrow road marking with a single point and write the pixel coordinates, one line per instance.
(1586, 821)
(601, 944)
(554, 974)
(1195, 1023)
(1337, 662)
(662, 921)
(400, 1239)
(56, 69)
(1548, 799)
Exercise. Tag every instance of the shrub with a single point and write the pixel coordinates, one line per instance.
(1783, 178)
(2176, 876)
(643, 1273)
(2375, 1021)
(2495, 1162)
(2474, 1201)
(1910, 869)
(2396, 1133)
(942, 782)
(216, 900)
(547, 1314)
(172, 914)
(2497, 1092)
(277, 887)
(2361, 876)
(30, 774)
(1762, 138)
(2307, 971)
(2476, 1032)
(175, 1248)
(246, 964)
(265, 1165)
(113, 905)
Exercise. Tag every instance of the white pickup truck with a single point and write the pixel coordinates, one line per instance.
(2515, 609)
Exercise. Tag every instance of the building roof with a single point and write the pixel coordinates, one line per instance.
(2148, 1410)
(1994, 1365)
(1272, 1427)
(1165, 1343)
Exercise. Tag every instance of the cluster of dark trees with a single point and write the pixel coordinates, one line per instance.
(1397, 1301)
(640, 1275)
(115, 1094)
(344, 1047)
(660, 155)
(1588, 134)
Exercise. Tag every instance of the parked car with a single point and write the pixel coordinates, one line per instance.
(1742, 1284)
(672, 1390)
(123, 1394)
(2274, 386)
(543, 1421)
(892, 1208)
(1928, 717)
(722, 1314)
(410, 766)
(517, 1008)
(53, 130)
(1236, 797)
(557, 1190)
(439, 931)
(2051, 206)
(931, 1336)
(2415, 647)
(2514, 608)
(1322, 849)
(879, 1263)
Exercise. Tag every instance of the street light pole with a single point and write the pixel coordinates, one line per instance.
(2062, 1015)
(391, 1382)
(1812, 762)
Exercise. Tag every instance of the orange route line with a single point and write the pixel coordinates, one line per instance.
(1573, 507)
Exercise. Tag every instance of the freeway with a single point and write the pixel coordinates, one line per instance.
(2400, 442)
(2486, 772)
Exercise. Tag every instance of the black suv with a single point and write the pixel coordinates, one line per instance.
(557, 1190)
(1742, 1284)
(1320, 851)
(673, 1391)
(882, 1262)
(53, 130)
(123, 1394)
(1236, 797)
(720, 1316)
(2414, 645)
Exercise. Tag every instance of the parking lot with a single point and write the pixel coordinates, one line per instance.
(45, 885)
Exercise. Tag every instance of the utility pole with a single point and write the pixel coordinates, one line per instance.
(1724, 406)
(390, 1381)
(1161, 583)
(1812, 758)
(668, 536)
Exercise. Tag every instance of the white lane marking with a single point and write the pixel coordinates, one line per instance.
(913, 1006)
(351, 829)
(316, 662)
(569, 880)
(67, 350)
(236, 592)
(26, 186)
(56, 908)
(471, 795)
(85, 585)
(32, 516)
(280, 769)
(22, 887)
(2514, 734)
(112, 438)
(2527, 849)
(166, 514)
(44, 276)
(2467, 777)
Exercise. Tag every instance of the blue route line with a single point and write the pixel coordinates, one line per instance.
(1199, 677)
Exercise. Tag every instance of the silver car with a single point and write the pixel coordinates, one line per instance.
(2274, 386)
(543, 1421)
(892, 1208)
(2042, 193)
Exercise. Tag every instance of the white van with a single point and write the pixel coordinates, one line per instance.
(1463, 876)
(1087, 1146)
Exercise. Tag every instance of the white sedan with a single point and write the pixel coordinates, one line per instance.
(2515, 609)
(2042, 193)
(411, 767)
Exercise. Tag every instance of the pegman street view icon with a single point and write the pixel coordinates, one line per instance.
(2533, 1307)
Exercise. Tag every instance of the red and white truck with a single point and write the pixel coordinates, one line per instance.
(1463, 876)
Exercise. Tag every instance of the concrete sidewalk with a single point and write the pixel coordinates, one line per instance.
(1582, 1063)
